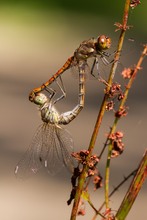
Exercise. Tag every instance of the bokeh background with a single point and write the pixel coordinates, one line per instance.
(36, 38)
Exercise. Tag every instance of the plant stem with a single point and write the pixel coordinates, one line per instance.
(133, 190)
(107, 174)
(82, 177)
(118, 186)
(119, 48)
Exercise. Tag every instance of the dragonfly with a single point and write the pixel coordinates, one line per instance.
(52, 145)
(92, 48)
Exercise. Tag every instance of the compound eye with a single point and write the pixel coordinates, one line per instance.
(103, 42)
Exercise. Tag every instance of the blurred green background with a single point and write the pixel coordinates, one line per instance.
(36, 38)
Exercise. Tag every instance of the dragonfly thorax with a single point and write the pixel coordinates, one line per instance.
(49, 114)
(85, 50)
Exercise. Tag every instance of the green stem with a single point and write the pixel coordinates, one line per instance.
(117, 187)
(107, 175)
(119, 48)
(133, 190)
(107, 172)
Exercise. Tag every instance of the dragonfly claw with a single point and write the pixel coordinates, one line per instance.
(32, 96)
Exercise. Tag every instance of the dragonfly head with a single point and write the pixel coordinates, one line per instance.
(103, 43)
(40, 99)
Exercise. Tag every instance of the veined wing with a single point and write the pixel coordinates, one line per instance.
(56, 149)
(51, 148)
(30, 162)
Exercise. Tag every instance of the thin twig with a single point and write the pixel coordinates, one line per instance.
(120, 44)
(118, 186)
(113, 129)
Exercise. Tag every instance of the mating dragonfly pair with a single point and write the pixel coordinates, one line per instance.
(52, 145)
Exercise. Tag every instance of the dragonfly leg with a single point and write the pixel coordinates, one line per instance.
(104, 55)
(92, 68)
(51, 91)
(105, 61)
(99, 76)
(62, 88)
(95, 63)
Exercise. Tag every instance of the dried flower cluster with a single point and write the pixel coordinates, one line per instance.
(118, 145)
(91, 162)
(81, 157)
(121, 27)
(127, 73)
(114, 92)
(134, 3)
(122, 112)
(92, 171)
(97, 181)
(108, 215)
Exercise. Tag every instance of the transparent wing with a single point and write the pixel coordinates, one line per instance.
(66, 145)
(56, 149)
(51, 148)
(31, 162)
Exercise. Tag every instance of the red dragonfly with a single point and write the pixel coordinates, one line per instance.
(94, 47)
